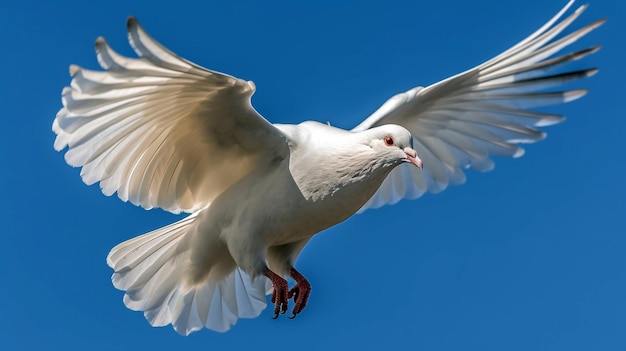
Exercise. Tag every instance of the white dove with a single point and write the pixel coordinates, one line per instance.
(164, 132)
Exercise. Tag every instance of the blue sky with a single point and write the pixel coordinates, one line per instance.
(527, 257)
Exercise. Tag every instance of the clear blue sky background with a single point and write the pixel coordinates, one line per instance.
(530, 256)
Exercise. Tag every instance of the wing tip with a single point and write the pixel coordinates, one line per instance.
(549, 121)
(580, 8)
(597, 23)
(74, 69)
(519, 152)
(591, 72)
(132, 23)
(100, 45)
(109, 260)
(100, 41)
(572, 95)
(589, 51)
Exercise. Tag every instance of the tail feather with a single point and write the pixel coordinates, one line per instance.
(133, 251)
(151, 269)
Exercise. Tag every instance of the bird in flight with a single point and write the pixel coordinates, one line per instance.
(161, 131)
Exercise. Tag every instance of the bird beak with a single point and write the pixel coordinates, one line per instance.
(411, 156)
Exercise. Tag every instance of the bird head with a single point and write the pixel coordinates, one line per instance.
(395, 143)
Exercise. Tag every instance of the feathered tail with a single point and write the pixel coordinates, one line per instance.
(151, 267)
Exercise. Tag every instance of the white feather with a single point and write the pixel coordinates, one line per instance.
(153, 129)
(461, 121)
(164, 132)
(151, 269)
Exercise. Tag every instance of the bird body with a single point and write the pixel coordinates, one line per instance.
(161, 131)
(290, 206)
(265, 218)
(281, 206)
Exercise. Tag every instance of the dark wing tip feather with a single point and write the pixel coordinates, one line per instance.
(600, 22)
(582, 53)
(100, 43)
(596, 24)
(131, 22)
(593, 25)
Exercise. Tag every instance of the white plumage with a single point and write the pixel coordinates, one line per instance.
(163, 132)
(461, 121)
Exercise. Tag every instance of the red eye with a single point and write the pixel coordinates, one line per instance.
(388, 140)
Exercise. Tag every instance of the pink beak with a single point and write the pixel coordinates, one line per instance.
(411, 156)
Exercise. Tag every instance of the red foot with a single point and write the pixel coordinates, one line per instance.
(300, 292)
(279, 295)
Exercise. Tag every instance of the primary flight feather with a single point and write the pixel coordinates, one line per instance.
(161, 131)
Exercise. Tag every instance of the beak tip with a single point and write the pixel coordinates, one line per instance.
(412, 157)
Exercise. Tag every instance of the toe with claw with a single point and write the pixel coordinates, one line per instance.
(280, 295)
(300, 292)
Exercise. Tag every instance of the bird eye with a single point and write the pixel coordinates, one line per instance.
(388, 140)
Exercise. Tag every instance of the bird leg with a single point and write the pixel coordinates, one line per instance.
(280, 293)
(300, 292)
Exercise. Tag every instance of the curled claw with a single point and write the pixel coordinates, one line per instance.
(300, 292)
(280, 294)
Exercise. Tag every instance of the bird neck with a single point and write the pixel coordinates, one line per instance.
(326, 173)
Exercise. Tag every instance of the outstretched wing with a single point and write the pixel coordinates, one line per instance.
(460, 122)
(159, 130)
